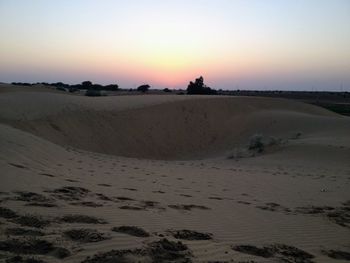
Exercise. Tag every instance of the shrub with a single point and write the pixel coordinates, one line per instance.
(256, 143)
(112, 87)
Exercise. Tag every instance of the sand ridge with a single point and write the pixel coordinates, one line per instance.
(162, 127)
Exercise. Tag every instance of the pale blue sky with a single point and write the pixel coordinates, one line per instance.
(276, 44)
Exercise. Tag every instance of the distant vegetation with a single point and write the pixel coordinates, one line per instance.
(85, 85)
(143, 88)
(198, 87)
(340, 108)
(338, 102)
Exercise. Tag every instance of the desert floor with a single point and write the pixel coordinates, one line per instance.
(171, 179)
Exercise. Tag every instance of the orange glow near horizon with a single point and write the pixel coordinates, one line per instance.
(169, 43)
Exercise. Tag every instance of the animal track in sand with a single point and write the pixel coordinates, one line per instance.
(274, 207)
(279, 251)
(158, 192)
(18, 166)
(216, 198)
(69, 193)
(19, 231)
(7, 213)
(123, 198)
(85, 235)
(130, 189)
(31, 221)
(130, 207)
(188, 207)
(105, 185)
(131, 230)
(158, 251)
(186, 234)
(19, 259)
(47, 174)
(339, 215)
(83, 219)
(87, 204)
(72, 181)
(33, 246)
(337, 254)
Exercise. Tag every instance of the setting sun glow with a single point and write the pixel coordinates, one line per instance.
(247, 44)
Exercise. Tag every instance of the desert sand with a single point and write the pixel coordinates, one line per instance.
(168, 178)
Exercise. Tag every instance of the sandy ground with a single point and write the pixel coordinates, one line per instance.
(148, 178)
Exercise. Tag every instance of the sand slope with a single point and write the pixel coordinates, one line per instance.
(162, 127)
(295, 194)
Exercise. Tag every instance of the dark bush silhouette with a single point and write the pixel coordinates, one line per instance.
(97, 87)
(166, 90)
(86, 84)
(143, 88)
(198, 87)
(112, 87)
(59, 85)
(21, 84)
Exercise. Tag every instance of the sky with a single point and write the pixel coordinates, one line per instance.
(233, 44)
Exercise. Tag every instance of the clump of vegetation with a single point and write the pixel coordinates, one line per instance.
(88, 85)
(198, 87)
(143, 88)
(257, 144)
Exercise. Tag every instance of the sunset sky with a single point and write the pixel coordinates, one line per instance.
(245, 44)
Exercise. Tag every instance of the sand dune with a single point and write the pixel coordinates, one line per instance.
(90, 176)
(162, 127)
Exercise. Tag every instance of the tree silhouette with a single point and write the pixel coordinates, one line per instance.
(198, 87)
(143, 88)
(86, 84)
